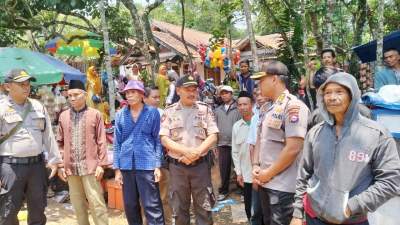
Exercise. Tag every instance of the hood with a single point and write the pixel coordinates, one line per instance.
(346, 80)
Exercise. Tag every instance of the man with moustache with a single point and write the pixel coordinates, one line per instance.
(82, 139)
(25, 133)
(137, 156)
(188, 131)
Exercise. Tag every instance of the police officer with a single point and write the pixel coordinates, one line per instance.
(25, 131)
(188, 130)
(279, 141)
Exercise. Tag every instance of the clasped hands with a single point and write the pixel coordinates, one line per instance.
(191, 155)
(260, 176)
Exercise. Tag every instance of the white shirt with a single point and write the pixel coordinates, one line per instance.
(240, 150)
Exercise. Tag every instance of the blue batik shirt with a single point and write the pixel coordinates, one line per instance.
(137, 144)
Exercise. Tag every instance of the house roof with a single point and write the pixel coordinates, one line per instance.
(192, 37)
(271, 41)
(173, 43)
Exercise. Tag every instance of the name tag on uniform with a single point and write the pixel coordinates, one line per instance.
(275, 118)
(274, 123)
(12, 117)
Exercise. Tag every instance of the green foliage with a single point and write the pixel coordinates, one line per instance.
(209, 16)
(119, 23)
(9, 37)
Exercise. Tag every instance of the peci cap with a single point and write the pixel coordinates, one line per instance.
(76, 84)
(134, 85)
(226, 88)
(270, 68)
(187, 81)
(18, 75)
(245, 94)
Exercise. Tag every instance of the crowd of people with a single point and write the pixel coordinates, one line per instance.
(312, 157)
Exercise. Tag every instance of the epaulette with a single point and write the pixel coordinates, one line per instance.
(202, 103)
(170, 106)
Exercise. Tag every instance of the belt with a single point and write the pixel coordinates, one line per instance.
(22, 160)
(195, 163)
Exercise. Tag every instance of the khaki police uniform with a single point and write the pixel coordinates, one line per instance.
(189, 127)
(23, 172)
(275, 125)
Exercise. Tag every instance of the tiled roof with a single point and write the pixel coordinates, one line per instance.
(192, 37)
(272, 41)
(173, 43)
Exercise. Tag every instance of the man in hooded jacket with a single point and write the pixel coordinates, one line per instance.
(350, 164)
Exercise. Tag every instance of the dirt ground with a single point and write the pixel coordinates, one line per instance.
(58, 214)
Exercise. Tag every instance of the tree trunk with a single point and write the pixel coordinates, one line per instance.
(360, 20)
(154, 59)
(183, 37)
(111, 89)
(253, 44)
(379, 40)
(305, 33)
(315, 30)
(371, 24)
(327, 37)
(143, 33)
(283, 34)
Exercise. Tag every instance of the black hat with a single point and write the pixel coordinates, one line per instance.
(245, 94)
(76, 84)
(187, 81)
(271, 67)
(18, 75)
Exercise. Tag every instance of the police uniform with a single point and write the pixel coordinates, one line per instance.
(189, 127)
(22, 162)
(275, 125)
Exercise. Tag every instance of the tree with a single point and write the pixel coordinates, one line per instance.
(183, 36)
(143, 33)
(287, 22)
(379, 43)
(327, 36)
(111, 89)
(247, 13)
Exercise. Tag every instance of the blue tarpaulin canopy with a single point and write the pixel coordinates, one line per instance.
(46, 69)
(367, 52)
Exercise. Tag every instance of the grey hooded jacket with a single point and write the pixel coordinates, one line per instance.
(359, 169)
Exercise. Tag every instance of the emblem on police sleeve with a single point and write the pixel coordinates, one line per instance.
(294, 118)
(174, 133)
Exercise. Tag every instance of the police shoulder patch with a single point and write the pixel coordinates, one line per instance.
(172, 105)
(163, 117)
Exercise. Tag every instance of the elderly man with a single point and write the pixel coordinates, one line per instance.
(240, 149)
(350, 164)
(279, 142)
(82, 137)
(137, 156)
(25, 132)
(391, 73)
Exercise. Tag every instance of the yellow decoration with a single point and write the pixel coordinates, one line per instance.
(23, 215)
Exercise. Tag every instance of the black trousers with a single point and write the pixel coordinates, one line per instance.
(225, 163)
(19, 181)
(247, 194)
(277, 206)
